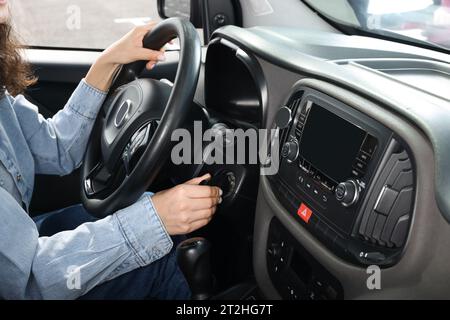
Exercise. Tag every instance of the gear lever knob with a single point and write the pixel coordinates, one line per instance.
(194, 260)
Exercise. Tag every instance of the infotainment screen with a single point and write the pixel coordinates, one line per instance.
(330, 143)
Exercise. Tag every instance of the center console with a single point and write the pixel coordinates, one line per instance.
(346, 178)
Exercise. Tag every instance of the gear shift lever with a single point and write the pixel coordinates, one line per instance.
(193, 257)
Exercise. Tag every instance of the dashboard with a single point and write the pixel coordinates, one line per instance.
(362, 132)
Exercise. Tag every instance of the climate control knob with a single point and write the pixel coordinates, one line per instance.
(348, 193)
(290, 150)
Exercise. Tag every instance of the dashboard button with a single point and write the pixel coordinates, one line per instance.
(357, 173)
(290, 150)
(361, 166)
(304, 111)
(304, 213)
(340, 191)
(285, 151)
(364, 157)
(328, 185)
(305, 166)
(347, 193)
(302, 119)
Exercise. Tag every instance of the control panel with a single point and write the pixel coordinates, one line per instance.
(295, 273)
(331, 156)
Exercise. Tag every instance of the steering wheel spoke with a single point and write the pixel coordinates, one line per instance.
(137, 146)
(97, 180)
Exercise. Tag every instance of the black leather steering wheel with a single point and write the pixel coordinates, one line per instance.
(131, 139)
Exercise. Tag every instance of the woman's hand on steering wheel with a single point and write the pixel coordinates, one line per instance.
(126, 50)
(130, 49)
(187, 207)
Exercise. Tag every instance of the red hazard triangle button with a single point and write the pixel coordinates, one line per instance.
(304, 212)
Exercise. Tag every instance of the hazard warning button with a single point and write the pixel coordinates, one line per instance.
(304, 212)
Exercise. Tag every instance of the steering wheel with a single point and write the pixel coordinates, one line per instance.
(131, 139)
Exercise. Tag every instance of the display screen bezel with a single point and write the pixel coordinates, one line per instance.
(314, 107)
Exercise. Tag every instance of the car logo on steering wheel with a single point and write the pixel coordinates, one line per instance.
(123, 113)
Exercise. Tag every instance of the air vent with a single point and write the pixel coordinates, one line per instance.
(293, 104)
(387, 216)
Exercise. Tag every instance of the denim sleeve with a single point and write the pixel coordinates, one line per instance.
(71, 263)
(58, 144)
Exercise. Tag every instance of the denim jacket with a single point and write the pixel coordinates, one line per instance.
(33, 267)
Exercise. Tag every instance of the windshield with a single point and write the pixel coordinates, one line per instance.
(420, 21)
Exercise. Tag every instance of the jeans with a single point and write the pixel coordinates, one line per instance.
(162, 280)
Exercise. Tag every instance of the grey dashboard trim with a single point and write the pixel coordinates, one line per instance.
(425, 72)
(285, 47)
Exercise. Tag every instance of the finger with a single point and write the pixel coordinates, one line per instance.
(196, 192)
(204, 204)
(197, 181)
(150, 55)
(150, 65)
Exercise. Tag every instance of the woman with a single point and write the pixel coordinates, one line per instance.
(126, 255)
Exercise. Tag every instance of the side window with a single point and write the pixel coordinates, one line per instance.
(81, 24)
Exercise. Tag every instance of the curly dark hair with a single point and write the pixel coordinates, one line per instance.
(15, 74)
